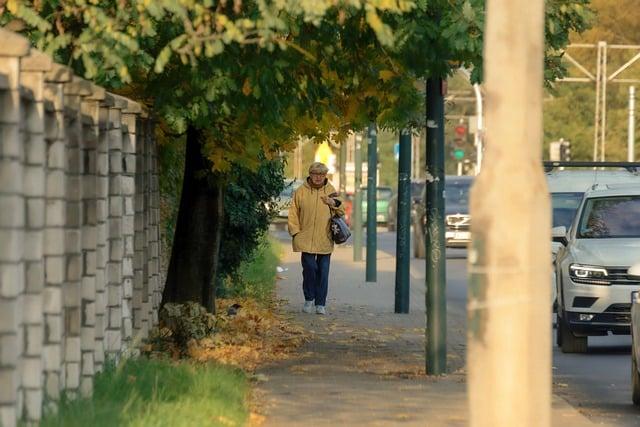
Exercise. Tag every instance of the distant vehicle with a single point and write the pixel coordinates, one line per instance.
(634, 274)
(416, 193)
(283, 202)
(592, 281)
(457, 219)
(383, 197)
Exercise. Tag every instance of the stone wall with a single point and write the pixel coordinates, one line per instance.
(79, 242)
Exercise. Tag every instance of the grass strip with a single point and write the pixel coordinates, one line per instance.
(143, 392)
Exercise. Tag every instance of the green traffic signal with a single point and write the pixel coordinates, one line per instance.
(458, 154)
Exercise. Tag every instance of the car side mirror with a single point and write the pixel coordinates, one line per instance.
(559, 234)
(634, 272)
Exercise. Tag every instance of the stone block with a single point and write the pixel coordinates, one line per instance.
(74, 163)
(128, 206)
(36, 148)
(129, 161)
(9, 350)
(128, 186)
(33, 245)
(100, 280)
(74, 267)
(127, 328)
(33, 404)
(11, 280)
(89, 262)
(112, 341)
(127, 288)
(11, 211)
(52, 300)
(74, 214)
(55, 269)
(9, 382)
(127, 227)
(88, 313)
(8, 415)
(72, 349)
(9, 316)
(31, 372)
(88, 338)
(127, 267)
(34, 276)
(115, 318)
(72, 377)
(115, 206)
(55, 212)
(101, 302)
(32, 309)
(54, 242)
(34, 340)
(115, 186)
(73, 241)
(56, 184)
(12, 244)
(57, 156)
(34, 181)
(51, 357)
(36, 213)
(10, 170)
(114, 272)
(90, 212)
(88, 363)
(89, 237)
(53, 329)
(102, 164)
(116, 250)
(115, 163)
(52, 385)
(114, 296)
(11, 140)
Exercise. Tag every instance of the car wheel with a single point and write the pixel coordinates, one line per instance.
(570, 343)
(558, 334)
(635, 376)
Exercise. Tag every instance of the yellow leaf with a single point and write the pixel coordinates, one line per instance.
(246, 88)
(386, 75)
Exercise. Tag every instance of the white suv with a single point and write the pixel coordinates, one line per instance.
(591, 266)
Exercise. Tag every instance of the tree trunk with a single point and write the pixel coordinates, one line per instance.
(197, 237)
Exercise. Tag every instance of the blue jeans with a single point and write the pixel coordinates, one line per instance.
(315, 277)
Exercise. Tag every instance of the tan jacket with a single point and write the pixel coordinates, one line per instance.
(309, 218)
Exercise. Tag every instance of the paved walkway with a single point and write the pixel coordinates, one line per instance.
(364, 365)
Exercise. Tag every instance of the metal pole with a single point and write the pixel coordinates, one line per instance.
(372, 211)
(459, 169)
(478, 140)
(436, 302)
(632, 125)
(356, 211)
(508, 353)
(596, 124)
(343, 167)
(603, 108)
(403, 236)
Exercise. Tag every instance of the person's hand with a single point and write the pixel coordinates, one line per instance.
(329, 201)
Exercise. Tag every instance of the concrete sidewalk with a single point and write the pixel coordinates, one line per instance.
(364, 365)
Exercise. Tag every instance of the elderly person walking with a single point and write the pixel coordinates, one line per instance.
(312, 206)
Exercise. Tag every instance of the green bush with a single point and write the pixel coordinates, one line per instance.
(256, 277)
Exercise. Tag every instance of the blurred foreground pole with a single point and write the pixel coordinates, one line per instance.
(631, 139)
(509, 352)
(343, 168)
(403, 222)
(356, 207)
(372, 204)
(435, 279)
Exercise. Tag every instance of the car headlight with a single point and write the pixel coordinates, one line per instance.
(589, 274)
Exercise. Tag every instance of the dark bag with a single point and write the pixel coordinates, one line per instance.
(340, 232)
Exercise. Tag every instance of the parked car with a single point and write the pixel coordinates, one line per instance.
(634, 274)
(457, 219)
(567, 187)
(592, 283)
(416, 194)
(283, 202)
(383, 196)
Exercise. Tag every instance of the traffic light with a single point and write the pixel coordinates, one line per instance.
(460, 134)
(565, 151)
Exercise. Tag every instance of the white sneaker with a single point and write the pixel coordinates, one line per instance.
(320, 310)
(308, 307)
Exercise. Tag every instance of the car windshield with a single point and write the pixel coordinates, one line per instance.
(610, 217)
(457, 193)
(564, 206)
(289, 188)
(416, 189)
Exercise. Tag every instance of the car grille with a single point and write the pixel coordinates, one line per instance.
(619, 276)
(458, 222)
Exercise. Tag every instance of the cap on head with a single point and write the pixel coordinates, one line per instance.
(319, 168)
